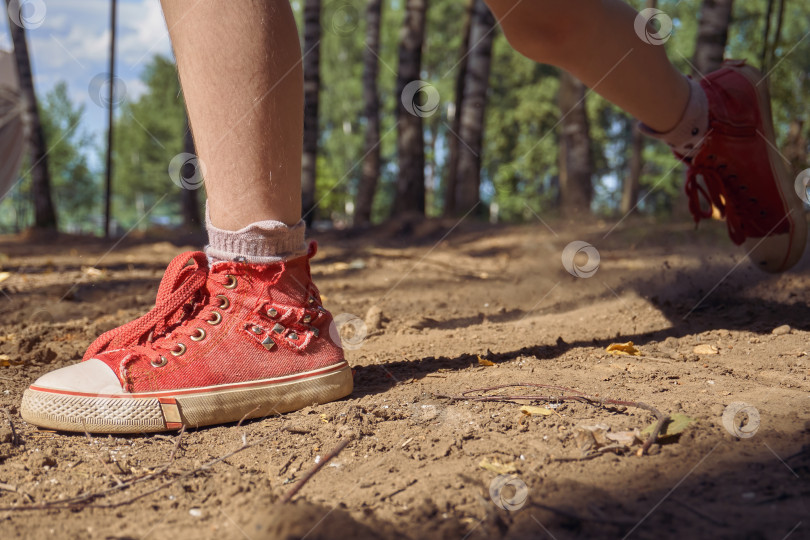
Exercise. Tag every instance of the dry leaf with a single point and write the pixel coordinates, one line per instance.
(674, 426)
(92, 271)
(4, 276)
(6, 361)
(627, 438)
(705, 349)
(530, 410)
(485, 362)
(599, 436)
(623, 349)
(494, 465)
(584, 440)
(597, 431)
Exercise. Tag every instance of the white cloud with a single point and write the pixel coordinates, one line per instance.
(143, 32)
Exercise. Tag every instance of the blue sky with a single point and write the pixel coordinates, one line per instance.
(72, 45)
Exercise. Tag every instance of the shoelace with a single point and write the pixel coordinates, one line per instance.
(181, 282)
(733, 206)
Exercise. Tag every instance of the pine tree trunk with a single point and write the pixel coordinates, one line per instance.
(795, 147)
(455, 123)
(312, 87)
(576, 164)
(410, 186)
(188, 202)
(471, 131)
(777, 34)
(371, 163)
(631, 186)
(715, 18)
(632, 182)
(44, 212)
(763, 55)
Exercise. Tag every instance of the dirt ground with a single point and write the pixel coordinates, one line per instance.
(441, 302)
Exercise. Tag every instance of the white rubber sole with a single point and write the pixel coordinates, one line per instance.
(779, 252)
(193, 407)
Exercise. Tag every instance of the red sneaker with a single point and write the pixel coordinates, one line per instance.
(739, 170)
(231, 342)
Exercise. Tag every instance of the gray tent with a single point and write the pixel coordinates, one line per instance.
(12, 123)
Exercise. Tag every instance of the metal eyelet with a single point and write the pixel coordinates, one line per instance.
(232, 283)
(292, 335)
(272, 312)
(176, 352)
(224, 303)
(160, 363)
(217, 318)
(307, 318)
(311, 300)
(257, 330)
(199, 335)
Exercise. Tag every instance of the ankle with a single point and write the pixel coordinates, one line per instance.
(686, 137)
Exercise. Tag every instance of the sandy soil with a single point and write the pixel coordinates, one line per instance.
(439, 303)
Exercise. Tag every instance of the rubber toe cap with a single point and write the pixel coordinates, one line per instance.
(91, 377)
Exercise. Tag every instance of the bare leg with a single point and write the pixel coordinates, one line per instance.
(240, 66)
(594, 40)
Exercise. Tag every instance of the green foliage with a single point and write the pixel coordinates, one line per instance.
(148, 134)
(520, 154)
(74, 187)
(520, 148)
(340, 112)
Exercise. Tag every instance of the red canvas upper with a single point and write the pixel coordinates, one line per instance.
(275, 303)
(734, 162)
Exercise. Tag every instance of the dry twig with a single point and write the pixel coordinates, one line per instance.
(328, 457)
(81, 501)
(15, 439)
(568, 394)
(100, 459)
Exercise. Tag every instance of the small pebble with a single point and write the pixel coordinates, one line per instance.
(781, 330)
(195, 512)
(705, 349)
(374, 318)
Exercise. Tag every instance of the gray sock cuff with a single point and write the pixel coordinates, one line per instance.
(690, 130)
(262, 242)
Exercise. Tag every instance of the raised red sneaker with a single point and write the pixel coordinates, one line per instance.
(225, 343)
(739, 170)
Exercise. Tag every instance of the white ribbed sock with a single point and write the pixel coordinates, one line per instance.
(685, 138)
(262, 242)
